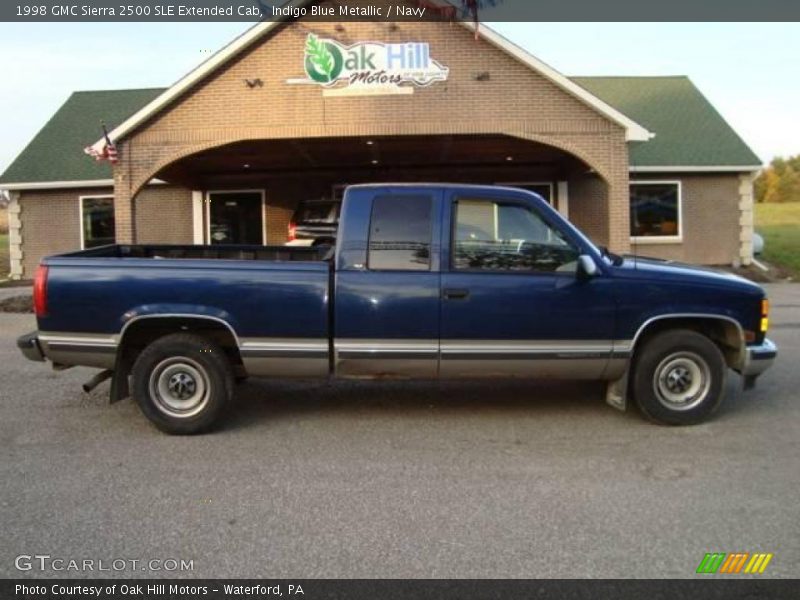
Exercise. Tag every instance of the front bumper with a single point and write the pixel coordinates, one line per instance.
(30, 347)
(759, 358)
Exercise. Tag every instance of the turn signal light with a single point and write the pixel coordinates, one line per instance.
(764, 307)
(292, 232)
(764, 324)
(40, 291)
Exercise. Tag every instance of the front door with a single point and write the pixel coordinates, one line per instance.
(512, 304)
(235, 218)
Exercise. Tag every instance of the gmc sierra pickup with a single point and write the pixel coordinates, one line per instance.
(425, 281)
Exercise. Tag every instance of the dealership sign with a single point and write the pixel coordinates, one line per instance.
(369, 67)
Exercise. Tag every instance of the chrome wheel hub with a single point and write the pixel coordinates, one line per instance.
(682, 380)
(179, 387)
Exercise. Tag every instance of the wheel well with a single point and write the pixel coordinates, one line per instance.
(724, 333)
(144, 331)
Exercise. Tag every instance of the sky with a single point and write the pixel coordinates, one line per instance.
(747, 70)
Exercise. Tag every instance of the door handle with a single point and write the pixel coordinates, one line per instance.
(454, 294)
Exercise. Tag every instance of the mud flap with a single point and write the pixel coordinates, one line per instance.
(119, 381)
(617, 392)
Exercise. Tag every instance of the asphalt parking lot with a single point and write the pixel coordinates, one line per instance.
(309, 479)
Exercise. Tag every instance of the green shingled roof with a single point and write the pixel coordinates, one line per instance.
(689, 131)
(56, 152)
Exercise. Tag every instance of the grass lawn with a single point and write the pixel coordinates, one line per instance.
(779, 223)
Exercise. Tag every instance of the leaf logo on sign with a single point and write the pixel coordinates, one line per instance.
(323, 60)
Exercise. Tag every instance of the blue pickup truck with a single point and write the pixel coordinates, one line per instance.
(425, 281)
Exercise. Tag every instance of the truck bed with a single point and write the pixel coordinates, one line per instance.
(261, 291)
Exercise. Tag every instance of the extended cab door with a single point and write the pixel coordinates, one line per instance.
(512, 304)
(386, 304)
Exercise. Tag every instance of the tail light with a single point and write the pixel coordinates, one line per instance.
(40, 291)
(292, 232)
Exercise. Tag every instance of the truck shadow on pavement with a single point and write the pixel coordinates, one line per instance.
(257, 401)
(266, 401)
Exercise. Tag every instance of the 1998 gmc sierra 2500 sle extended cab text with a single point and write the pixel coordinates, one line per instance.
(425, 281)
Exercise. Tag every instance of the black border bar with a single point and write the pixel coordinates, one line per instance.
(377, 10)
(707, 588)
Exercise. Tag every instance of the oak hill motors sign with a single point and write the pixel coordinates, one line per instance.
(369, 67)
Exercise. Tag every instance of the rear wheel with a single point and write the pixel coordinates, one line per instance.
(182, 382)
(679, 378)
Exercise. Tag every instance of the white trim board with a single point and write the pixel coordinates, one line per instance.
(61, 185)
(48, 185)
(633, 131)
(696, 169)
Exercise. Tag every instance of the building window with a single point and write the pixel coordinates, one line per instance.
(492, 236)
(97, 221)
(400, 233)
(656, 210)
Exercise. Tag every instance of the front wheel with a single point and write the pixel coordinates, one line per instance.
(679, 378)
(182, 382)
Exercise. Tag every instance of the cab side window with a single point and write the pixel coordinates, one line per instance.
(400, 233)
(492, 235)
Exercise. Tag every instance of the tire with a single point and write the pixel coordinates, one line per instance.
(679, 378)
(182, 383)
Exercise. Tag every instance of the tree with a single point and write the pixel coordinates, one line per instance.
(780, 181)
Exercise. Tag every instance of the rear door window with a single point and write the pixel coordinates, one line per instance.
(400, 233)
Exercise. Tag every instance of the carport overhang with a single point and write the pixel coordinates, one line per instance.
(475, 158)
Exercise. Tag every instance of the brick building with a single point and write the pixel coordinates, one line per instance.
(295, 110)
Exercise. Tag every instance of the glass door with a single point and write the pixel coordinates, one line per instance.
(236, 217)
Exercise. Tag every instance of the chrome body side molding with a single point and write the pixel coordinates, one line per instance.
(285, 357)
(386, 359)
(90, 350)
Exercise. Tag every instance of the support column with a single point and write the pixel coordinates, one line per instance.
(619, 197)
(15, 236)
(197, 217)
(124, 211)
(563, 198)
(619, 228)
(746, 218)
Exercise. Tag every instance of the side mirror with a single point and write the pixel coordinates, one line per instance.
(586, 266)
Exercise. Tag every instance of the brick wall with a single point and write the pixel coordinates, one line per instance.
(710, 220)
(164, 215)
(589, 207)
(51, 220)
(50, 223)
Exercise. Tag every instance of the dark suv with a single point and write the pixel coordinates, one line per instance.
(315, 223)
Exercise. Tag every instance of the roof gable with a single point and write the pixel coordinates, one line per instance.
(689, 130)
(633, 130)
(55, 154)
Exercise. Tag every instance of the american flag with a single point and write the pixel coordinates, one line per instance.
(109, 151)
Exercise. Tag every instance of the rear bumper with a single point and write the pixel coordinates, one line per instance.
(759, 358)
(30, 347)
